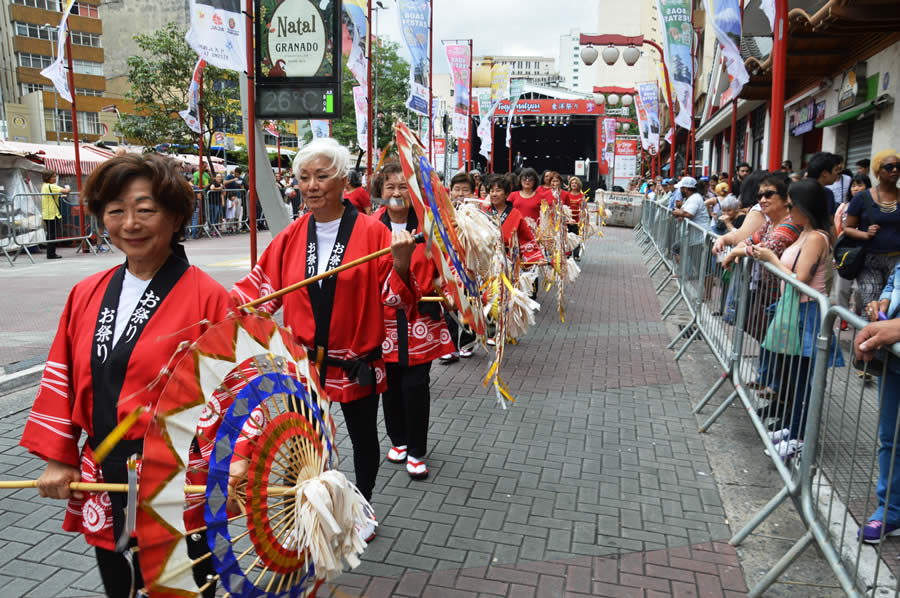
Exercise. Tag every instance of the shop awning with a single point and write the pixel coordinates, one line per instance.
(857, 112)
(60, 158)
(826, 42)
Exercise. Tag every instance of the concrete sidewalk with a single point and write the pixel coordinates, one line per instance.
(595, 482)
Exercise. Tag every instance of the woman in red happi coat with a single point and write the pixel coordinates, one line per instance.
(412, 339)
(118, 330)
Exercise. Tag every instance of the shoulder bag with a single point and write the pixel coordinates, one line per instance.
(850, 254)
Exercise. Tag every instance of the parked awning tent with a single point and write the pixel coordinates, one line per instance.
(218, 163)
(59, 158)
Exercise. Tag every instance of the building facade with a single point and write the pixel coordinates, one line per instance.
(33, 110)
(574, 74)
(539, 70)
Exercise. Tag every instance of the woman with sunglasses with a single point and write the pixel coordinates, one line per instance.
(883, 233)
(528, 199)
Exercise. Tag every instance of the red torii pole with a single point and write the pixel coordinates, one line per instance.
(639, 40)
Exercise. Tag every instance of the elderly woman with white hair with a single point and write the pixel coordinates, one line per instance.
(339, 320)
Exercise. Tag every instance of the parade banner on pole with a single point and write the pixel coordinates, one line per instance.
(414, 16)
(516, 87)
(484, 131)
(217, 33)
(499, 82)
(191, 115)
(56, 72)
(675, 16)
(608, 139)
(726, 21)
(649, 94)
(484, 100)
(643, 125)
(355, 32)
(459, 55)
(360, 102)
(319, 128)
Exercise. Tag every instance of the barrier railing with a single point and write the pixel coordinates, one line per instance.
(829, 430)
(25, 227)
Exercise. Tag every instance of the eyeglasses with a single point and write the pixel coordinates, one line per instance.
(893, 166)
(767, 194)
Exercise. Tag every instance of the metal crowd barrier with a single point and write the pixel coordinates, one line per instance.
(23, 226)
(827, 427)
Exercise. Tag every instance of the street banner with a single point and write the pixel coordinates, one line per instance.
(319, 128)
(353, 39)
(499, 82)
(218, 34)
(643, 126)
(360, 102)
(608, 139)
(726, 21)
(768, 7)
(56, 72)
(649, 94)
(191, 115)
(414, 16)
(484, 100)
(516, 87)
(484, 131)
(675, 16)
(626, 158)
(459, 55)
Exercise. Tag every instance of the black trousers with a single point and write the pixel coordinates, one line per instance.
(52, 228)
(467, 338)
(360, 417)
(407, 407)
(116, 572)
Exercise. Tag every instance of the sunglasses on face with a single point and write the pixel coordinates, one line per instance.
(767, 194)
(892, 167)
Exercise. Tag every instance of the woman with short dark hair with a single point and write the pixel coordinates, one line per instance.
(117, 332)
(528, 199)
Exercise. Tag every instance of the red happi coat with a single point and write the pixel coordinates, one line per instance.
(357, 317)
(531, 207)
(575, 203)
(65, 401)
(514, 223)
(427, 338)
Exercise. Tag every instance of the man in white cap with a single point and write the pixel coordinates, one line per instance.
(694, 209)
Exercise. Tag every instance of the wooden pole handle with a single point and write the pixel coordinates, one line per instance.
(95, 487)
(420, 238)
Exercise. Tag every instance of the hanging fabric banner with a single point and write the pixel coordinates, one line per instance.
(414, 16)
(516, 87)
(191, 115)
(649, 95)
(499, 82)
(458, 55)
(608, 140)
(726, 21)
(484, 131)
(768, 7)
(56, 72)
(217, 33)
(643, 125)
(361, 104)
(354, 38)
(319, 128)
(675, 16)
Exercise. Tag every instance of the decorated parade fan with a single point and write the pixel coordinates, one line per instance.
(243, 402)
(438, 217)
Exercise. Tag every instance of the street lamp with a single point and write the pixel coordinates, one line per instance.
(632, 53)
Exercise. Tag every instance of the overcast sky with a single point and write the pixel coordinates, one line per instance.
(498, 26)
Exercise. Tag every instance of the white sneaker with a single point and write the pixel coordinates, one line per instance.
(779, 435)
(491, 342)
(788, 448)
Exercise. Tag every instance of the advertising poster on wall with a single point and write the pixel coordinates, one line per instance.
(626, 160)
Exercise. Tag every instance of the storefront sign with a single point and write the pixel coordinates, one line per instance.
(849, 91)
(804, 118)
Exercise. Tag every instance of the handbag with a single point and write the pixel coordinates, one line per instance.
(850, 254)
(783, 334)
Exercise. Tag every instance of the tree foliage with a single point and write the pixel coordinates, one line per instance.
(393, 89)
(160, 77)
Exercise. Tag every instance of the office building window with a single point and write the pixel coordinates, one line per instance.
(88, 122)
(27, 88)
(34, 61)
(44, 4)
(79, 38)
(86, 67)
(84, 91)
(82, 38)
(85, 10)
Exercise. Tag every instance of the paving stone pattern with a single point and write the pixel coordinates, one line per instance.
(594, 482)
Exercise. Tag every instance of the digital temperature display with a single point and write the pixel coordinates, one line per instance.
(288, 102)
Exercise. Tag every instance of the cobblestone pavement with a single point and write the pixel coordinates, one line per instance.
(594, 482)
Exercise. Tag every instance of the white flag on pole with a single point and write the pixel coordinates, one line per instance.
(56, 72)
